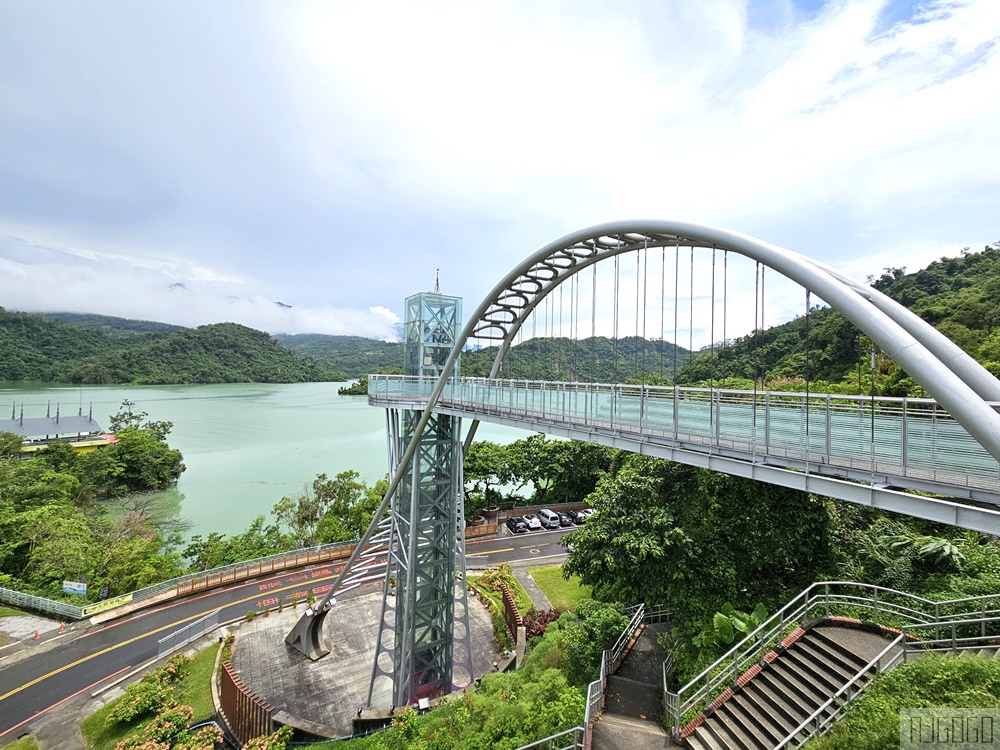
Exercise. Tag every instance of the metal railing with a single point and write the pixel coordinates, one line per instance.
(610, 661)
(908, 438)
(875, 604)
(183, 636)
(835, 706)
(185, 584)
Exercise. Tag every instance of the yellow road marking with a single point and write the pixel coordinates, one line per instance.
(491, 552)
(54, 672)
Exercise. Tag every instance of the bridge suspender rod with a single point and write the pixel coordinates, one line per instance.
(645, 286)
(663, 305)
(756, 350)
(637, 272)
(725, 299)
(807, 375)
(593, 329)
(691, 303)
(614, 326)
(711, 355)
(677, 276)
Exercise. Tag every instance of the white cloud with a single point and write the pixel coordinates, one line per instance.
(329, 155)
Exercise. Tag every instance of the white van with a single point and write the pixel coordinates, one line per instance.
(549, 519)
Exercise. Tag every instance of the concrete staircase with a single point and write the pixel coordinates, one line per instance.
(788, 690)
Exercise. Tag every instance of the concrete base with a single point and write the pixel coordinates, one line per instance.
(323, 697)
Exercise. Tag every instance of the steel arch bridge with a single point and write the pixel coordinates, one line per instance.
(649, 420)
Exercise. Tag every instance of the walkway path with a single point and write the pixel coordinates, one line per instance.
(537, 596)
(633, 701)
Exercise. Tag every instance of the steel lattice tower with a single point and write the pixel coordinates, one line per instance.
(423, 642)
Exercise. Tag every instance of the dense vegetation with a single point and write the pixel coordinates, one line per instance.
(930, 682)
(352, 356)
(84, 516)
(956, 295)
(118, 351)
(698, 541)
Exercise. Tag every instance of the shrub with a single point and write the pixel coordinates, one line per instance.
(536, 621)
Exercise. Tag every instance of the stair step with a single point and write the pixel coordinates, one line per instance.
(719, 735)
(775, 702)
(772, 722)
(739, 728)
(759, 724)
(801, 692)
(824, 682)
(834, 660)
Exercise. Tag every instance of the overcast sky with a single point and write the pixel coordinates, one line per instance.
(195, 162)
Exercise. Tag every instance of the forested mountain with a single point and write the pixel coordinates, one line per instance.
(957, 295)
(112, 325)
(351, 355)
(597, 359)
(33, 348)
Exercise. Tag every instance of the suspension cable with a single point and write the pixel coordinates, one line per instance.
(711, 353)
(645, 286)
(593, 329)
(663, 304)
(637, 274)
(677, 268)
(691, 304)
(614, 342)
(807, 372)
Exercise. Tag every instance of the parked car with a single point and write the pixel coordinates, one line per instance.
(533, 521)
(517, 525)
(564, 518)
(578, 516)
(549, 518)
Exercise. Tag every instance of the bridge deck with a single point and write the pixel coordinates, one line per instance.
(883, 442)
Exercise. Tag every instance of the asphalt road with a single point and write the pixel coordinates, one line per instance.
(86, 656)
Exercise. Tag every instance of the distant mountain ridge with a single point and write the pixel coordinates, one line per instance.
(96, 349)
(957, 295)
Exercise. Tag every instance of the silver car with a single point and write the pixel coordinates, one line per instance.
(533, 521)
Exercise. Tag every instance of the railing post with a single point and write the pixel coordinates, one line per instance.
(903, 442)
(876, 606)
(829, 419)
(676, 406)
(767, 423)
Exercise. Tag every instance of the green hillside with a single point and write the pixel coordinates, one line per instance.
(112, 325)
(116, 350)
(956, 295)
(351, 355)
(33, 348)
(217, 353)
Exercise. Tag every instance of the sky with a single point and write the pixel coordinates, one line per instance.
(199, 162)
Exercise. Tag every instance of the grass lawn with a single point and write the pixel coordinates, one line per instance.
(562, 593)
(195, 690)
(521, 597)
(28, 742)
(10, 612)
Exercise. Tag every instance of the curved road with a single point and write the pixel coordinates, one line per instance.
(84, 657)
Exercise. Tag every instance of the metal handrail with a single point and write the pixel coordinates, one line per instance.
(80, 612)
(917, 438)
(725, 671)
(817, 715)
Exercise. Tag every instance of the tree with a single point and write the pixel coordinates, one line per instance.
(592, 628)
(10, 445)
(487, 465)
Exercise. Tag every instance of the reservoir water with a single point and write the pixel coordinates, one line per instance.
(245, 445)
